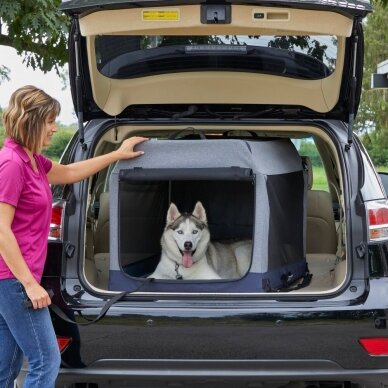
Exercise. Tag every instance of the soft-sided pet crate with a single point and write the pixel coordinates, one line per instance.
(250, 190)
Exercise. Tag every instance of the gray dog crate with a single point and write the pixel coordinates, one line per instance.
(250, 189)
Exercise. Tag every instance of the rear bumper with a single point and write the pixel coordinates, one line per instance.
(201, 373)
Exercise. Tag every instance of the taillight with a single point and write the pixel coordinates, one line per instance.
(378, 220)
(375, 346)
(63, 342)
(57, 213)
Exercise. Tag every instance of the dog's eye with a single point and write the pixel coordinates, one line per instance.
(179, 231)
(195, 231)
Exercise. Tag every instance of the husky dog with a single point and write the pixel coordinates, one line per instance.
(188, 254)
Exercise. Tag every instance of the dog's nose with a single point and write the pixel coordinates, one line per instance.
(188, 245)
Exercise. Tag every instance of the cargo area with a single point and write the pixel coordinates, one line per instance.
(295, 231)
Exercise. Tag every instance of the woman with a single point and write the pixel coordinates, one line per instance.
(25, 210)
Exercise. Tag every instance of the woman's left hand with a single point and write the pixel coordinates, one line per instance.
(125, 151)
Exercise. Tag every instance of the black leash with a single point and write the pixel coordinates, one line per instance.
(56, 310)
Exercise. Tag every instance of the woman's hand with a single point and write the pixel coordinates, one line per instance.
(125, 151)
(61, 174)
(38, 296)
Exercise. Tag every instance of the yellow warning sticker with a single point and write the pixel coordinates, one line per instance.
(161, 15)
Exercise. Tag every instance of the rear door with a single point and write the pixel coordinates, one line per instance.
(302, 57)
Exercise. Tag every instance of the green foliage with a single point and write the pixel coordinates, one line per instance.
(372, 118)
(311, 47)
(320, 179)
(37, 30)
(58, 143)
(373, 110)
(4, 73)
(308, 148)
(384, 3)
(376, 144)
(1, 136)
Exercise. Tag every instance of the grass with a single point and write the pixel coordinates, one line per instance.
(381, 168)
(320, 180)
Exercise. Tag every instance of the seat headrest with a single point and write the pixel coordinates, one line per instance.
(307, 162)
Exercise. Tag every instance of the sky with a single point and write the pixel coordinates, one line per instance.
(21, 75)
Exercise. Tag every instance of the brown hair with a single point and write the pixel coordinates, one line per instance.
(26, 114)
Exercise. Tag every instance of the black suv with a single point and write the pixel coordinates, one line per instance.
(249, 106)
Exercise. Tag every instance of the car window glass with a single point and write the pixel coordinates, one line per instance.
(305, 57)
(307, 147)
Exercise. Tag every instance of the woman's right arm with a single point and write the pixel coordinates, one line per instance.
(10, 252)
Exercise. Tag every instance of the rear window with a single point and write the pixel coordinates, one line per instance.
(305, 57)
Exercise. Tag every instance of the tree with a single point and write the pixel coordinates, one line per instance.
(38, 32)
(373, 110)
(59, 142)
(372, 117)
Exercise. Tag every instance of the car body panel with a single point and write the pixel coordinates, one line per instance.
(147, 341)
(245, 333)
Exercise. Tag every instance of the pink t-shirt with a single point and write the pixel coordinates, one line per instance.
(29, 192)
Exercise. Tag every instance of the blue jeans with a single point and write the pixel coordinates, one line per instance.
(29, 332)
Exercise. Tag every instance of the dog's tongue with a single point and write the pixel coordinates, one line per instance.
(187, 259)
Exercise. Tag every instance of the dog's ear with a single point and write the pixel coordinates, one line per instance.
(172, 214)
(199, 212)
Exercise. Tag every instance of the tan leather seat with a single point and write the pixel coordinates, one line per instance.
(321, 231)
(321, 236)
